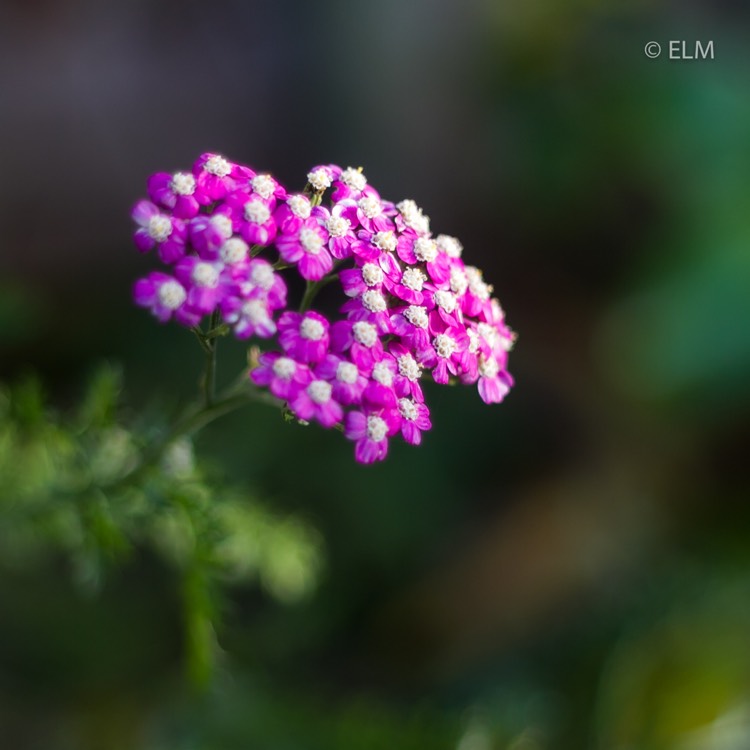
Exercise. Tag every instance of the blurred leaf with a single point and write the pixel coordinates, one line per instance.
(679, 674)
(99, 405)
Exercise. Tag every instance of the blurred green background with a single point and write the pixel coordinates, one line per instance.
(570, 569)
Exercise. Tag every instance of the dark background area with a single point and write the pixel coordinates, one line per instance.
(566, 570)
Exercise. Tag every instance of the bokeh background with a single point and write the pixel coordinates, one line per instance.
(570, 569)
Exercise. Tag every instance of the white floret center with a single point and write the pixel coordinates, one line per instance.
(353, 179)
(223, 225)
(372, 274)
(425, 249)
(477, 285)
(507, 340)
(172, 294)
(473, 341)
(488, 366)
(182, 183)
(262, 275)
(284, 368)
(488, 333)
(382, 374)
(347, 372)
(300, 206)
(233, 251)
(446, 300)
(445, 345)
(370, 206)
(408, 210)
(255, 311)
(414, 279)
(365, 333)
(416, 315)
(319, 391)
(217, 165)
(377, 429)
(205, 275)
(413, 217)
(385, 241)
(459, 282)
(449, 245)
(374, 301)
(319, 179)
(409, 368)
(312, 329)
(263, 185)
(407, 408)
(310, 240)
(337, 226)
(159, 227)
(257, 212)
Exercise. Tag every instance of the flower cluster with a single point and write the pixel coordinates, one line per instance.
(411, 305)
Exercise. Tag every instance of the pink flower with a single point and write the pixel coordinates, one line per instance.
(411, 324)
(448, 352)
(290, 214)
(415, 419)
(304, 337)
(213, 178)
(477, 292)
(408, 374)
(364, 276)
(250, 316)
(408, 286)
(339, 229)
(370, 431)
(283, 376)
(306, 246)
(370, 306)
(165, 297)
(494, 383)
(251, 280)
(158, 229)
(253, 216)
(345, 377)
(380, 248)
(175, 192)
(265, 188)
(367, 211)
(361, 339)
(316, 401)
(320, 178)
(417, 249)
(349, 183)
(209, 233)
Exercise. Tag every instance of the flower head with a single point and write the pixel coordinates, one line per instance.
(239, 245)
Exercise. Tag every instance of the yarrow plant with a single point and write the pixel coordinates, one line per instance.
(410, 307)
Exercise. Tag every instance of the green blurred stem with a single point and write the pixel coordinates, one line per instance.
(195, 418)
(209, 378)
(312, 289)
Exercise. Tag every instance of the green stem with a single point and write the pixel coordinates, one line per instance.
(198, 331)
(209, 378)
(312, 289)
(195, 418)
